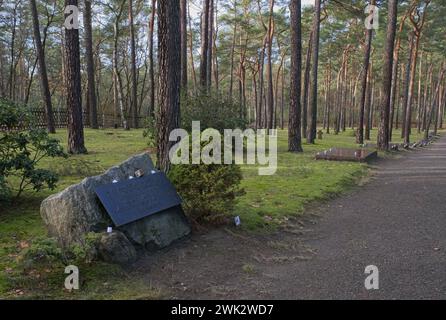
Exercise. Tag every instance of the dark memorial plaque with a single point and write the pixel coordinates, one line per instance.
(344, 154)
(133, 199)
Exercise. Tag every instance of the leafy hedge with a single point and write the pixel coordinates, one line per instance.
(209, 191)
(21, 152)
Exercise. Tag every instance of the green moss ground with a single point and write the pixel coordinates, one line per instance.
(269, 199)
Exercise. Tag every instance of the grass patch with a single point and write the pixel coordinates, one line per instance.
(20, 225)
(269, 200)
(299, 180)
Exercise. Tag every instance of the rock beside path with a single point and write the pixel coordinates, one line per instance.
(71, 214)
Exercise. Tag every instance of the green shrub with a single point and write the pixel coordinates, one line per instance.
(21, 152)
(86, 252)
(12, 115)
(4, 190)
(209, 192)
(213, 111)
(42, 250)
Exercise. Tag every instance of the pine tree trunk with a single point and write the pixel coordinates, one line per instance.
(311, 136)
(151, 61)
(425, 97)
(306, 87)
(169, 46)
(204, 44)
(395, 70)
(294, 129)
(191, 52)
(261, 116)
(368, 103)
(134, 92)
(183, 25)
(384, 123)
(74, 94)
(42, 70)
(269, 69)
(368, 47)
(231, 72)
(434, 102)
(420, 96)
(210, 46)
(413, 67)
(93, 114)
(117, 76)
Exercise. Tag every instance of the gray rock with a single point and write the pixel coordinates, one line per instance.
(159, 230)
(116, 248)
(76, 210)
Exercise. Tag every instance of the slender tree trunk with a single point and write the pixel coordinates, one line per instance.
(151, 110)
(326, 93)
(183, 24)
(413, 67)
(429, 74)
(204, 44)
(74, 94)
(210, 45)
(406, 88)
(214, 48)
(282, 101)
(329, 96)
(384, 123)
(306, 87)
(134, 92)
(337, 124)
(169, 46)
(191, 49)
(420, 97)
(262, 114)
(91, 92)
(294, 130)
(442, 106)
(368, 47)
(117, 75)
(311, 136)
(434, 103)
(368, 103)
(438, 110)
(231, 74)
(269, 68)
(395, 80)
(12, 70)
(42, 70)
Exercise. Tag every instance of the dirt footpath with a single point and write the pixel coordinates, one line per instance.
(396, 222)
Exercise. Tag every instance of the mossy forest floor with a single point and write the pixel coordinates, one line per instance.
(268, 202)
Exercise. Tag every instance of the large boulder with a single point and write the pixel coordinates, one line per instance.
(114, 247)
(151, 232)
(76, 211)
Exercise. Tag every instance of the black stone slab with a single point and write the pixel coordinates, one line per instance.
(344, 154)
(392, 146)
(133, 199)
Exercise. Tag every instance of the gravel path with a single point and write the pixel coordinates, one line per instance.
(397, 222)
